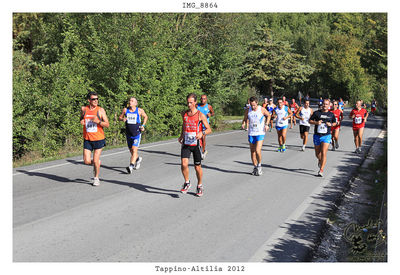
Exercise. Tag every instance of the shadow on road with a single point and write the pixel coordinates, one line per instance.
(145, 188)
(53, 177)
(303, 236)
(159, 152)
(213, 168)
(291, 170)
(121, 170)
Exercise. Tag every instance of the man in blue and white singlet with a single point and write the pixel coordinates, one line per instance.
(134, 128)
(208, 111)
(257, 126)
(282, 114)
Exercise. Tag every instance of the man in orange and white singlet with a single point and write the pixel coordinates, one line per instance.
(93, 119)
(359, 116)
(190, 138)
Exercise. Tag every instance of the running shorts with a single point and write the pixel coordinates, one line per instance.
(322, 139)
(373, 109)
(304, 128)
(94, 145)
(133, 141)
(254, 139)
(281, 128)
(187, 150)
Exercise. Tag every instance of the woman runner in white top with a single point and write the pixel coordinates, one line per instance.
(304, 113)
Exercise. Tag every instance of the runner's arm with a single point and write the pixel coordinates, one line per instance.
(245, 118)
(268, 115)
(211, 110)
(298, 113)
(122, 116)
(180, 139)
(207, 131)
(104, 119)
(82, 115)
(144, 115)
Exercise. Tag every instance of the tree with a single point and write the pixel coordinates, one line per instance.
(273, 64)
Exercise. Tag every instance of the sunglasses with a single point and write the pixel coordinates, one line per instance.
(96, 98)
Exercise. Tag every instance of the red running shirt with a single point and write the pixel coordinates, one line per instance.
(338, 114)
(191, 126)
(358, 120)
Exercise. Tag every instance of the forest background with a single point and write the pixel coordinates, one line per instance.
(161, 57)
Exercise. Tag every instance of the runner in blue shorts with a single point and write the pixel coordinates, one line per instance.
(134, 128)
(282, 114)
(255, 117)
(323, 121)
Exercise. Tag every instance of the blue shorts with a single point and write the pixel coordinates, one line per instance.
(133, 141)
(281, 128)
(319, 139)
(254, 139)
(94, 145)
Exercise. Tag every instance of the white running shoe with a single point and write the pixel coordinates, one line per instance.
(259, 171)
(96, 182)
(137, 164)
(303, 148)
(129, 169)
(204, 154)
(320, 174)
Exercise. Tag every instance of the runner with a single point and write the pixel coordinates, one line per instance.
(282, 114)
(359, 116)
(134, 128)
(335, 129)
(264, 105)
(284, 101)
(341, 104)
(270, 108)
(304, 113)
(208, 111)
(293, 108)
(373, 106)
(93, 120)
(323, 121)
(255, 117)
(190, 139)
(320, 103)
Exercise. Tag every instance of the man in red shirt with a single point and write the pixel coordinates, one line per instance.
(359, 116)
(190, 138)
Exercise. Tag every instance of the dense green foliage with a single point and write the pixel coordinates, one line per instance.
(160, 58)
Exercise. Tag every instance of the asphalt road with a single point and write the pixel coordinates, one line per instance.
(59, 217)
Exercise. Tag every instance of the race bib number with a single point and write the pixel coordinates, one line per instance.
(91, 127)
(190, 138)
(131, 118)
(322, 129)
(292, 109)
(358, 120)
(254, 126)
(281, 123)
